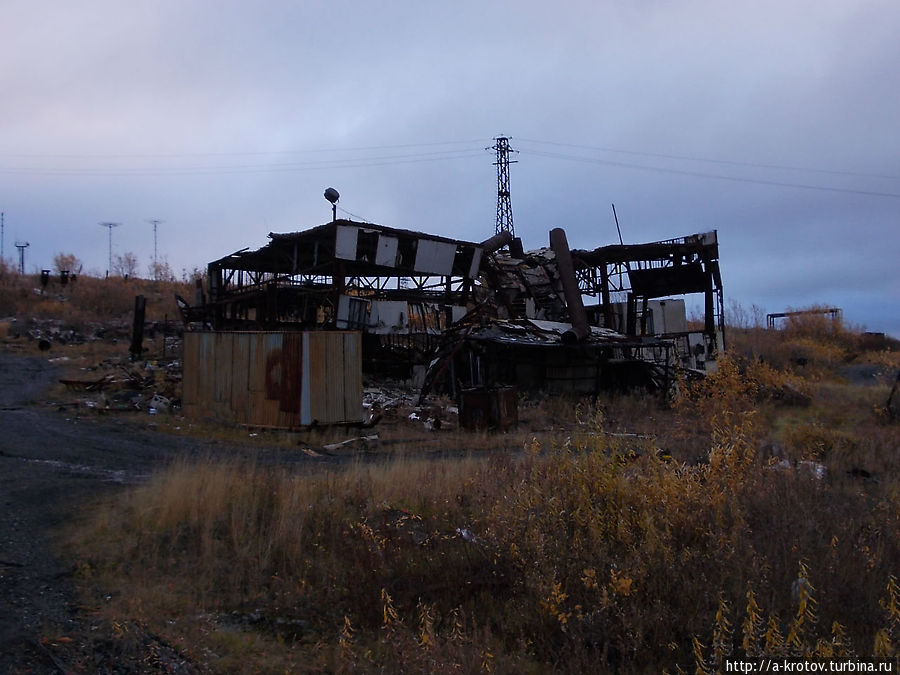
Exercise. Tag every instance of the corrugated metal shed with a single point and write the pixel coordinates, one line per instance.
(273, 379)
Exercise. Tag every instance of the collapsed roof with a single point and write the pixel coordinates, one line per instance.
(410, 292)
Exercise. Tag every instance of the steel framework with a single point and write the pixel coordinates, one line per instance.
(504, 205)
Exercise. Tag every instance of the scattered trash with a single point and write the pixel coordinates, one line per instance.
(467, 535)
(363, 441)
(160, 403)
(87, 385)
(150, 386)
(804, 467)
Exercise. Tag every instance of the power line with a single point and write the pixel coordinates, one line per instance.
(701, 174)
(726, 162)
(365, 161)
(331, 164)
(424, 154)
(353, 215)
(236, 153)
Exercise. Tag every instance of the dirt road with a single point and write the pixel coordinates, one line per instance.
(51, 464)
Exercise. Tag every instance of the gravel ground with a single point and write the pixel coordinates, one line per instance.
(51, 464)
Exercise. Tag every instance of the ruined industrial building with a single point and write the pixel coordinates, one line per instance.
(282, 335)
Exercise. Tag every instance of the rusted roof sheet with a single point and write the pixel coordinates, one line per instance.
(536, 333)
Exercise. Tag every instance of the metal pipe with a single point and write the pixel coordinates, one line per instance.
(496, 242)
(580, 328)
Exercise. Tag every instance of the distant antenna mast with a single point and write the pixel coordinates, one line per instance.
(110, 227)
(621, 243)
(504, 206)
(618, 229)
(22, 245)
(2, 237)
(155, 223)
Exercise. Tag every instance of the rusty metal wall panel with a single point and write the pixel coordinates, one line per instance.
(334, 384)
(352, 379)
(190, 381)
(197, 393)
(317, 377)
(325, 376)
(334, 377)
(274, 379)
(222, 365)
(291, 373)
(206, 389)
(264, 374)
(240, 390)
(271, 346)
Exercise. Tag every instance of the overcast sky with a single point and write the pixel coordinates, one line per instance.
(775, 123)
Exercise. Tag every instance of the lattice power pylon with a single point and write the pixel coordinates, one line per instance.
(155, 222)
(504, 205)
(109, 226)
(22, 245)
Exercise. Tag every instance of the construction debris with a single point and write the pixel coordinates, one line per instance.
(455, 316)
(364, 443)
(151, 386)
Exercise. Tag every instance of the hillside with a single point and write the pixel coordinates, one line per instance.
(755, 512)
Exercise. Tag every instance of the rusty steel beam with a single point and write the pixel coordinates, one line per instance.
(580, 328)
(496, 242)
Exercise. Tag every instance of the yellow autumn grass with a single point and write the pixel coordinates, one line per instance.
(555, 555)
(631, 536)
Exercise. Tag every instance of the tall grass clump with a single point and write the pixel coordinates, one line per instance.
(582, 555)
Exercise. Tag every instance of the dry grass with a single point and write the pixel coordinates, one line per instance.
(570, 557)
(89, 300)
(625, 535)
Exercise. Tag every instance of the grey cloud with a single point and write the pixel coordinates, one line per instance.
(206, 114)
